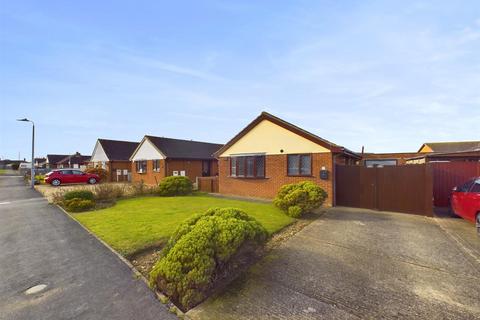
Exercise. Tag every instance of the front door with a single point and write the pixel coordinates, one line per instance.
(205, 168)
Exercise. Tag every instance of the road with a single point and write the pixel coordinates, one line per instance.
(40, 245)
(361, 264)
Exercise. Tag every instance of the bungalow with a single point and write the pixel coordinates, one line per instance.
(75, 160)
(446, 152)
(53, 160)
(271, 152)
(114, 157)
(386, 159)
(158, 157)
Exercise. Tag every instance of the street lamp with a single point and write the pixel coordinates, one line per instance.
(32, 169)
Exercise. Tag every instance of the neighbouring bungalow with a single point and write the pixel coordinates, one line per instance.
(271, 152)
(446, 152)
(54, 159)
(114, 157)
(158, 157)
(76, 161)
(40, 162)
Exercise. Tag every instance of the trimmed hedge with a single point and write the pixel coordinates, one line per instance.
(298, 198)
(175, 186)
(80, 194)
(78, 204)
(200, 249)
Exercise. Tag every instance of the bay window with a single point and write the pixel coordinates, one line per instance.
(247, 167)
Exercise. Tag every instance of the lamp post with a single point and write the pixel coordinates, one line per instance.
(32, 169)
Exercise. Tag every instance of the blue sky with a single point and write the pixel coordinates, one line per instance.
(386, 75)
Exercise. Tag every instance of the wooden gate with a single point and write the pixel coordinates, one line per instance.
(407, 189)
(447, 175)
(207, 184)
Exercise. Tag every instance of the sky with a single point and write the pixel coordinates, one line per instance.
(387, 75)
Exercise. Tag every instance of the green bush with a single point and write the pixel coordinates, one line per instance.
(78, 204)
(80, 194)
(109, 191)
(175, 186)
(298, 198)
(200, 249)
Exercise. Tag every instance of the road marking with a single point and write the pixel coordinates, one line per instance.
(5, 202)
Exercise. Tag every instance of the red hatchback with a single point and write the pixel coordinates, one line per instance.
(62, 176)
(466, 201)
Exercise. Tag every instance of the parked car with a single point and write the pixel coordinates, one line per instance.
(465, 201)
(64, 176)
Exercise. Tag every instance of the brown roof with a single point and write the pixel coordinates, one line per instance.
(458, 154)
(117, 149)
(76, 158)
(55, 158)
(184, 149)
(291, 127)
(452, 146)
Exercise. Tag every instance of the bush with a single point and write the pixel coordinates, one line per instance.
(109, 191)
(40, 179)
(79, 194)
(78, 204)
(200, 249)
(175, 186)
(102, 173)
(15, 166)
(140, 189)
(298, 198)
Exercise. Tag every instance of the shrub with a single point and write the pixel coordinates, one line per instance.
(175, 186)
(109, 191)
(298, 198)
(102, 173)
(79, 194)
(39, 179)
(78, 204)
(200, 249)
(140, 189)
(15, 166)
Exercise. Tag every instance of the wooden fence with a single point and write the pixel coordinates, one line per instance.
(207, 184)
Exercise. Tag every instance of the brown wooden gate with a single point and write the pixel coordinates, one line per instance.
(407, 189)
(447, 175)
(208, 184)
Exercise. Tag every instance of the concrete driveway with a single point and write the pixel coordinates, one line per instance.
(40, 245)
(353, 263)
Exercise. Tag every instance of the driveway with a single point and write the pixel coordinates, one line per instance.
(354, 263)
(84, 280)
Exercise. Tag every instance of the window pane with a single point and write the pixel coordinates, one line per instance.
(233, 169)
(293, 165)
(306, 168)
(476, 187)
(250, 166)
(260, 164)
(240, 166)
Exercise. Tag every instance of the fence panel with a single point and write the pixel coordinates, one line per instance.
(208, 184)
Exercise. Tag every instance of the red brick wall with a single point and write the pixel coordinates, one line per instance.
(149, 177)
(112, 167)
(276, 176)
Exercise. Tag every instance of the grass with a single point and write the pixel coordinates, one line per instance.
(134, 224)
(3, 171)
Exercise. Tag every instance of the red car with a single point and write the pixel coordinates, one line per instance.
(465, 201)
(62, 176)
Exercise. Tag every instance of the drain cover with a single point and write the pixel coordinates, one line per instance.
(36, 289)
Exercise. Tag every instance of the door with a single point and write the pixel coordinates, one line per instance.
(79, 176)
(460, 200)
(205, 168)
(67, 176)
(472, 201)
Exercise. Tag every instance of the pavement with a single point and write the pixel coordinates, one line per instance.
(361, 264)
(40, 245)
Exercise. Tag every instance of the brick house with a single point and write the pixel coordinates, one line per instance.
(114, 157)
(158, 157)
(386, 159)
(76, 161)
(447, 152)
(53, 160)
(271, 152)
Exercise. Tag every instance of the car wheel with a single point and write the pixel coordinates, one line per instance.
(56, 182)
(92, 180)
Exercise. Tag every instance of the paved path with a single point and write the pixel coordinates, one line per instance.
(357, 264)
(40, 245)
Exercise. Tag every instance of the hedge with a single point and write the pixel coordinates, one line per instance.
(175, 186)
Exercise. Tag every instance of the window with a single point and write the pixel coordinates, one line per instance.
(156, 165)
(141, 166)
(77, 172)
(476, 187)
(66, 172)
(299, 165)
(247, 166)
(380, 163)
(465, 187)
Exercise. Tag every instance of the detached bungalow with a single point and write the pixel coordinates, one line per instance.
(446, 152)
(114, 156)
(53, 160)
(158, 157)
(271, 152)
(75, 160)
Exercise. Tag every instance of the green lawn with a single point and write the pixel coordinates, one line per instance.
(3, 171)
(137, 223)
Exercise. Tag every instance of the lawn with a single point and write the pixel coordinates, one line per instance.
(3, 171)
(138, 223)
